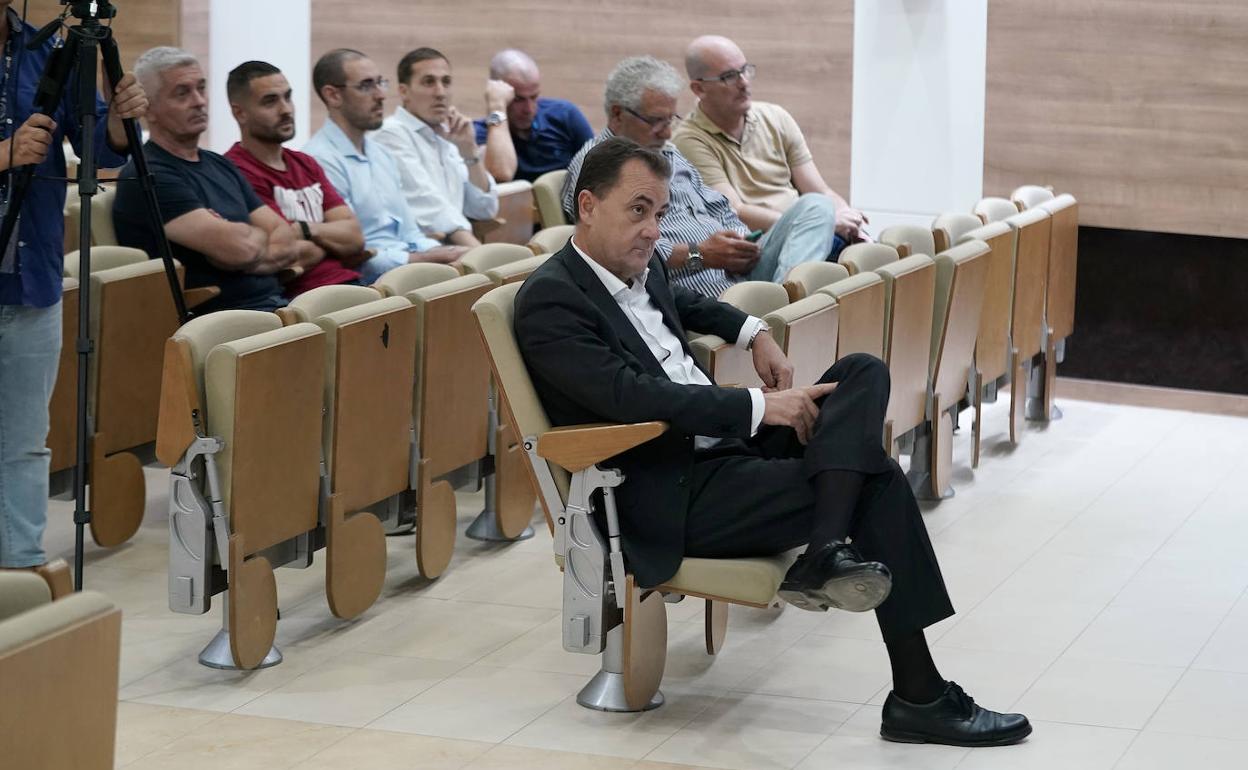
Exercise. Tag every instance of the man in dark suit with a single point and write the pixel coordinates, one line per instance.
(740, 472)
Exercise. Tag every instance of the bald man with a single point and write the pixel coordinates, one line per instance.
(526, 136)
(752, 152)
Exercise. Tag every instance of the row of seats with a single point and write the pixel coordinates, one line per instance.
(934, 315)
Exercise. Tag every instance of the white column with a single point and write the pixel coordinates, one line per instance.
(276, 31)
(918, 109)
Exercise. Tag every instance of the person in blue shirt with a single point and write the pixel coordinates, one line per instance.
(361, 170)
(527, 136)
(30, 273)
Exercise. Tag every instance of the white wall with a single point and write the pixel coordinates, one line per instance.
(918, 108)
(276, 31)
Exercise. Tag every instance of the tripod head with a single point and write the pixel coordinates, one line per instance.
(90, 10)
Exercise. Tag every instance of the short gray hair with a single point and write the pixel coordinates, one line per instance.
(155, 61)
(510, 61)
(637, 74)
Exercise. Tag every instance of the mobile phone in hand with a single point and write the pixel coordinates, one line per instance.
(754, 236)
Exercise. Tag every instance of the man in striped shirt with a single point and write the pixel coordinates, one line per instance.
(703, 241)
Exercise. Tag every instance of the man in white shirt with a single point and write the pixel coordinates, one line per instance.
(444, 181)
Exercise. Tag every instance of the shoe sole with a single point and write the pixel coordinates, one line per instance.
(900, 736)
(855, 593)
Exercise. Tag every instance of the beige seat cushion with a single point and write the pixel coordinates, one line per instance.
(503, 273)
(918, 239)
(995, 209)
(813, 276)
(105, 258)
(415, 276)
(867, 257)
(102, 231)
(955, 225)
(548, 195)
(324, 300)
(22, 591)
(551, 239)
(749, 581)
(1031, 195)
(42, 621)
(758, 298)
(491, 255)
(207, 331)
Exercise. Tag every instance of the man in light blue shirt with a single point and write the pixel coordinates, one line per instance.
(364, 173)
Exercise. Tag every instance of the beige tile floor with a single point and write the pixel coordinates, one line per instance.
(1097, 568)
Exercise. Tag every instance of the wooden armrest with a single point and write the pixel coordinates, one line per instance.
(576, 447)
(198, 296)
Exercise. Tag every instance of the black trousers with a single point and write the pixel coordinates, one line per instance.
(755, 497)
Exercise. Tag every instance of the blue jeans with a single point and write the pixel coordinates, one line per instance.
(30, 350)
(806, 233)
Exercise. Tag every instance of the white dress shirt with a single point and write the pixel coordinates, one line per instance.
(434, 176)
(678, 365)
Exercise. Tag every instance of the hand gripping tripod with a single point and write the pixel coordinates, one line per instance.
(77, 56)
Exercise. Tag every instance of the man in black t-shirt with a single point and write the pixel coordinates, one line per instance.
(218, 228)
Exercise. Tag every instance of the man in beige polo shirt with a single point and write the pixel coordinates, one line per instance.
(752, 152)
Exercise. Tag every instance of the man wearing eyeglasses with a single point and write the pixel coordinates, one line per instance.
(363, 172)
(753, 152)
(435, 145)
(703, 240)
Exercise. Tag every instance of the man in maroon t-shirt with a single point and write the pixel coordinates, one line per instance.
(328, 237)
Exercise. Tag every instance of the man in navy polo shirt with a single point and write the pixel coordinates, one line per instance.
(30, 274)
(527, 136)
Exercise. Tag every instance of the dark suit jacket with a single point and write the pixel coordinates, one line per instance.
(589, 364)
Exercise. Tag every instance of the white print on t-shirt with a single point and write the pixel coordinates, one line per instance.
(306, 204)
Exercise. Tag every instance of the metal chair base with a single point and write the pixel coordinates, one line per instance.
(485, 528)
(217, 654)
(605, 692)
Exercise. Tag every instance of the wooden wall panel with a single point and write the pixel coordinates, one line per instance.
(1137, 107)
(140, 24)
(803, 49)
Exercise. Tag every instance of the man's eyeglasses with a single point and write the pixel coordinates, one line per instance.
(655, 124)
(731, 77)
(366, 86)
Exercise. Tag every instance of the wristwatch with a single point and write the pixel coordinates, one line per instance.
(495, 118)
(695, 259)
(307, 231)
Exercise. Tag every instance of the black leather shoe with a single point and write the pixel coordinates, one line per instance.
(952, 719)
(836, 576)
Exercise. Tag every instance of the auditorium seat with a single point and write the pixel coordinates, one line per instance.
(909, 240)
(867, 257)
(808, 277)
(551, 239)
(1028, 332)
(132, 314)
(59, 666)
(860, 311)
(1030, 196)
(909, 287)
(517, 271)
(604, 611)
(413, 276)
(961, 273)
(514, 221)
(484, 258)
(948, 229)
(240, 426)
(1060, 296)
(548, 198)
(728, 364)
(994, 360)
(806, 331)
(994, 209)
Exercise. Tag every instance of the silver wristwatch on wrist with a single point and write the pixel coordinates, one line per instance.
(694, 262)
(495, 118)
